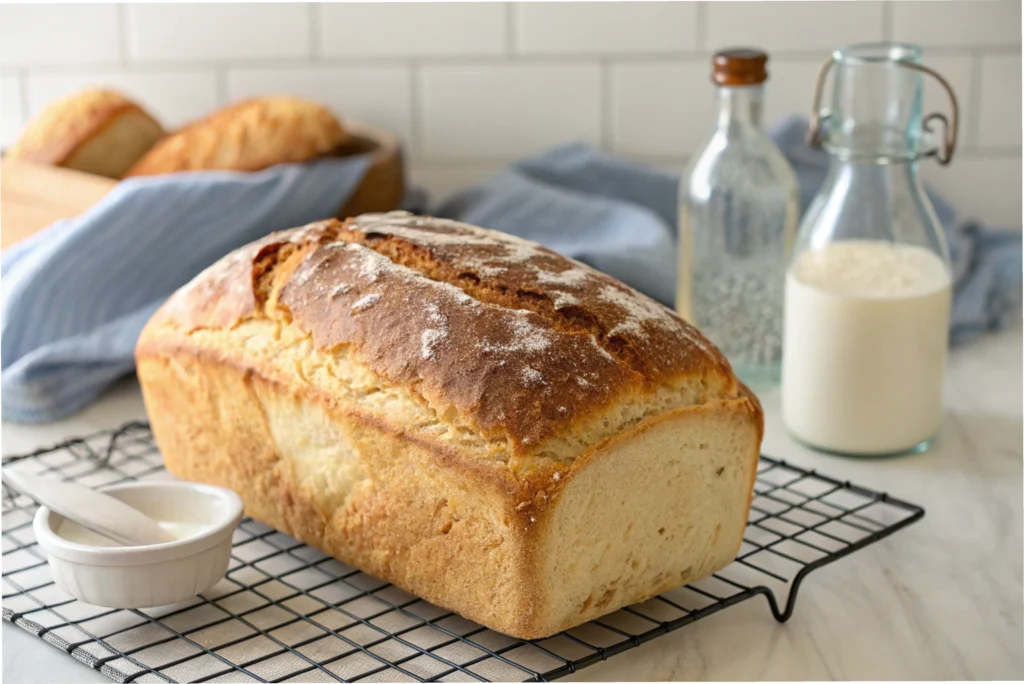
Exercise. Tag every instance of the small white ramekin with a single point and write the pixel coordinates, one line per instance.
(156, 575)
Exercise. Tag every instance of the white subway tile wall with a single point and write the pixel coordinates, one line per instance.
(605, 28)
(41, 34)
(958, 24)
(662, 109)
(411, 29)
(483, 111)
(982, 188)
(199, 33)
(793, 26)
(470, 87)
(10, 102)
(1000, 107)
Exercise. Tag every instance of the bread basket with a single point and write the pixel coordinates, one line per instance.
(383, 186)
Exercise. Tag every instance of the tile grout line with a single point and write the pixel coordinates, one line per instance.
(123, 37)
(662, 57)
(315, 35)
(511, 16)
(973, 133)
(607, 104)
(887, 20)
(23, 92)
(416, 127)
(701, 26)
(147, 68)
(221, 84)
(991, 153)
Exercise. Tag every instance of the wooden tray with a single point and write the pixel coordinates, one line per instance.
(32, 196)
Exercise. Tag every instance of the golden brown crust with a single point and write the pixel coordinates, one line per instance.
(514, 273)
(68, 123)
(388, 391)
(470, 318)
(248, 136)
(752, 404)
(446, 533)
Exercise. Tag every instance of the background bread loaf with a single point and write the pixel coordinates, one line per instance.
(248, 136)
(95, 131)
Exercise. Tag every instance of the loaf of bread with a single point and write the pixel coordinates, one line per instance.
(248, 136)
(95, 131)
(495, 428)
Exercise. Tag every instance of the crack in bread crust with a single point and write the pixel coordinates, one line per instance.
(508, 271)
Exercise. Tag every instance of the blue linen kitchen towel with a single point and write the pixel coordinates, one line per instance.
(76, 296)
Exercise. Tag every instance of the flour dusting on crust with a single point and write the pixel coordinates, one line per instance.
(563, 299)
(525, 336)
(532, 376)
(366, 302)
(432, 338)
(571, 277)
(339, 289)
(501, 250)
(637, 309)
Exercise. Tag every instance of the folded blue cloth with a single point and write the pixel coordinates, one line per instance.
(76, 295)
(620, 218)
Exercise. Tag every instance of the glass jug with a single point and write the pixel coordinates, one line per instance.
(868, 287)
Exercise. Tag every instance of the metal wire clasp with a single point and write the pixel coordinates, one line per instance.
(951, 125)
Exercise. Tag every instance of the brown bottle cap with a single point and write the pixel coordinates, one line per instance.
(740, 67)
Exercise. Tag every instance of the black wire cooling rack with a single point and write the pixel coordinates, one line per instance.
(286, 612)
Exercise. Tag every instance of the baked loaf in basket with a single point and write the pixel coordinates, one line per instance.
(493, 427)
(248, 136)
(95, 131)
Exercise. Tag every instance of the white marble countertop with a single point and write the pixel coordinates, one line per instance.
(942, 599)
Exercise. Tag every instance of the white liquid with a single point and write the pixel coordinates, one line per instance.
(75, 533)
(865, 336)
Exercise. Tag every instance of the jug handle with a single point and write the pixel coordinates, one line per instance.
(951, 125)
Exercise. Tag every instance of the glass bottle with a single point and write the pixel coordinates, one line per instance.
(868, 288)
(738, 209)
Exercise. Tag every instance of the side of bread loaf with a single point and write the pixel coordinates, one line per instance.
(488, 425)
(248, 136)
(95, 131)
